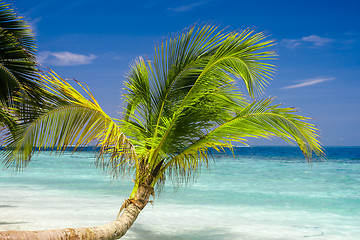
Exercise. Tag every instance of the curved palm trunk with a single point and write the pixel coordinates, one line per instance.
(112, 230)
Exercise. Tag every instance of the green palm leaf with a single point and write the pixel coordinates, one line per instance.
(17, 56)
(195, 69)
(187, 101)
(177, 108)
(7, 121)
(66, 118)
(258, 119)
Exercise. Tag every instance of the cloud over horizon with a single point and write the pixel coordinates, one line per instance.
(64, 58)
(311, 41)
(309, 82)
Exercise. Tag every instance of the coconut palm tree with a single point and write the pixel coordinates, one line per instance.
(180, 107)
(18, 72)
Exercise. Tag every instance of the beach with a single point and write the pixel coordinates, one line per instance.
(261, 193)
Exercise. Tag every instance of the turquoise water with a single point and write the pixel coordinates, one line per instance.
(261, 193)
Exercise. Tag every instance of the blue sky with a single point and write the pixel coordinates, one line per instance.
(318, 67)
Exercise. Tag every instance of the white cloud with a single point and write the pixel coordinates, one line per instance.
(291, 43)
(313, 40)
(185, 8)
(64, 58)
(309, 82)
(316, 40)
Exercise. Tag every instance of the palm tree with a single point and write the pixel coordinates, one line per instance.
(179, 108)
(18, 72)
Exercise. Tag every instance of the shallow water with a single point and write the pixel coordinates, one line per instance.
(262, 193)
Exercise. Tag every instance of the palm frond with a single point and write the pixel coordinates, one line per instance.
(66, 118)
(17, 51)
(187, 100)
(8, 122)
(260, 119)
(231, 55)
(15, 25)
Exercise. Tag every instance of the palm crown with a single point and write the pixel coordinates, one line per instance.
(177, 107)
(17, 55)
(18, 72)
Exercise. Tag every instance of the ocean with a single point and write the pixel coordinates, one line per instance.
(260, 193)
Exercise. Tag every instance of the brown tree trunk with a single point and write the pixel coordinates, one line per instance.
(112, 230)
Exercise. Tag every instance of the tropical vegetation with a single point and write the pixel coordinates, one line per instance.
(196, 97)
(18, 70)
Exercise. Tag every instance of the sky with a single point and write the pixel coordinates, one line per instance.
(318, 47)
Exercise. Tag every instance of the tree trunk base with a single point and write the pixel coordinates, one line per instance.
(112, 230)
